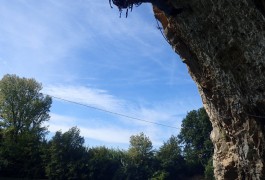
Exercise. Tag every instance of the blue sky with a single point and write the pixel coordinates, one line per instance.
(82, 51)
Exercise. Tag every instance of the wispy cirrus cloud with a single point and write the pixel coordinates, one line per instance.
(89, 96)
(105, 134)
(113, 135)
(117, 129)
(99, 98)
(85, 42)
(51, 35)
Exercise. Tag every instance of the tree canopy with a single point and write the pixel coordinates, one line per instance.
(140, 157)
(25, 153)
(23, 110)
(66, 157)
(195, 139)
(170, 158)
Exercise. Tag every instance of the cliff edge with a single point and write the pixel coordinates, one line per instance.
(223, 45)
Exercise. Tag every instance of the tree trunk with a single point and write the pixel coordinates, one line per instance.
(223, 44)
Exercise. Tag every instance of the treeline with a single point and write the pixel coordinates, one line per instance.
(26, 153)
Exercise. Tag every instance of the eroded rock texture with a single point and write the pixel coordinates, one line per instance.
(223, 44)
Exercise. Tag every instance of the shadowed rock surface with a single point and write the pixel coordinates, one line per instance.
(223, 44)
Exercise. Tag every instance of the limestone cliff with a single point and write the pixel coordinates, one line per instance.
(223, 44)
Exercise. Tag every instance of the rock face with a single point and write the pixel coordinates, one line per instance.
(223, 44)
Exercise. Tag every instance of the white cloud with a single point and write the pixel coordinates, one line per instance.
(89, 96)
(61, 119)
(108, 134)
(68, 41)
(37, 35)
(120, 129)
(157, 112)
(98, 131)
(46, 35)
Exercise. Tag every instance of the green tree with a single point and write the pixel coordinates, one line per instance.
(140, 158)
(22, 107)
(105, 163)
(195, 138)
(209, 170)
(67, 158)
(172, 164)
(23, 110)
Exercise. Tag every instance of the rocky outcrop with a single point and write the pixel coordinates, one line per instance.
(223, 44)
